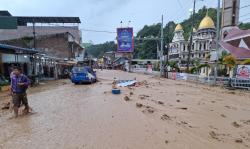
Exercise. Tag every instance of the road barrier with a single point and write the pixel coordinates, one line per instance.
(208, 80)
(240, 83)
(220, 81)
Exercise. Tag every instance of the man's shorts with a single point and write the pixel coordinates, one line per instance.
(19, 99)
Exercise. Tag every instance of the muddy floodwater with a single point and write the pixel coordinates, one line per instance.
(156, 114)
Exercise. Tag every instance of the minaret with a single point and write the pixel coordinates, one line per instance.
(230, 15)
(178, 33)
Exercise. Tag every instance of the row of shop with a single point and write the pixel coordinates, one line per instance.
(36, 65)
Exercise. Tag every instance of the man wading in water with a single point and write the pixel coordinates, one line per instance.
(19, 85)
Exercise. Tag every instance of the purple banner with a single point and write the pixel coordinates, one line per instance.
(125, 40)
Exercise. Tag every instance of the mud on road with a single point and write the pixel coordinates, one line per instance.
(156, 114)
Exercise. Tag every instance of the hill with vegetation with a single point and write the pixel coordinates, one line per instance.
(98, 50)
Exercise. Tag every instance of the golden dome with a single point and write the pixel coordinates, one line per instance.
(206, 22)
(178, 28)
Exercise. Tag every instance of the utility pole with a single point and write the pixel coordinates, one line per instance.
(34, 34)
(191, 38)
(34, 46)
(217, 42)
(167, 60)
(167, 52)
(161, 52)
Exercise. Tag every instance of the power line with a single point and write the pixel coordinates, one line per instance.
(181, 6)
(245, 6)
(179, 15)
(245, 15)
(98, 31)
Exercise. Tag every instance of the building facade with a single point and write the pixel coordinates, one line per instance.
(57, 40)
(203, 44)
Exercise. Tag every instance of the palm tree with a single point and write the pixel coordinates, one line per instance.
(229, 61)
(223, 55)
(173, 65)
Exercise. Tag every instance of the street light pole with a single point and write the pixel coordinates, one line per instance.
(191, 37)
(217, 42)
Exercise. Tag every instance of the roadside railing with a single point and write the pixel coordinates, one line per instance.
(208, 80)
(240, 83)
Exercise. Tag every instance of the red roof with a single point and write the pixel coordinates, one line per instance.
(239, 53)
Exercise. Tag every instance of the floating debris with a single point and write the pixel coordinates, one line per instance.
(126, 98)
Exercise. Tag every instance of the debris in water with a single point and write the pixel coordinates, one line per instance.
(222, 115)
(160, 102)
(151, 111)
(165, 117)
(125, 83)
(214, 135)
(142, 97)
(236, 125)
(184, 108)
(126, 98)
(6, 106)
(139, 105)
(239, 140)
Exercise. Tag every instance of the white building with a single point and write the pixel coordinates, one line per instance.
(203, 44)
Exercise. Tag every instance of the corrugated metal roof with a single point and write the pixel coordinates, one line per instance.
(18, 50)
(22, 20)
(5, 13)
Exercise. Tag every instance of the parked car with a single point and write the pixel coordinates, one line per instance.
(83, 75)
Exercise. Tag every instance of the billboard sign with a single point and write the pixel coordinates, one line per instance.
(125, 40)
(243, 72)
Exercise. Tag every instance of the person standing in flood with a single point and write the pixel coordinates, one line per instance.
(19, 86)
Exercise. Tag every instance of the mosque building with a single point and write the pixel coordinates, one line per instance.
(203, 44)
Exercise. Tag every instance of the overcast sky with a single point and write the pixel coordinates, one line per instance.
(107, 14)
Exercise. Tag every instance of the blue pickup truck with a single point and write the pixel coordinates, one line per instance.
(83, 75)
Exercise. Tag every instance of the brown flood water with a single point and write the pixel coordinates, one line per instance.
(160, 114)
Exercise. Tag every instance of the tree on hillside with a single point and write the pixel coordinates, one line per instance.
(244, 25)
(197, 19)
(99, 49)
(147, 49)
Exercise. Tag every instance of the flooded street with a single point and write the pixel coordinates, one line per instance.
(159, 114)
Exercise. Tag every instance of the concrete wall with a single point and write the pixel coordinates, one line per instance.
(55, 46)
(27, 31)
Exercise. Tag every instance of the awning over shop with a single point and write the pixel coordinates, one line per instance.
(16, 50)
(68, 63)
